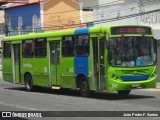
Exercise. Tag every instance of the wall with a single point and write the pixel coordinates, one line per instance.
(87, 16)
(147, 13)
(90, 3)
(1, 16)
(26, 12)
(60, 13)
(110, 1)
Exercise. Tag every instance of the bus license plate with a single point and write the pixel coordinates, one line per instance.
(136, 85)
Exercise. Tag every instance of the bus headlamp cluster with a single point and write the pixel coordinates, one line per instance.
(114, 76)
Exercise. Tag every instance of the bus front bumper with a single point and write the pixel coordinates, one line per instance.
(118, 85)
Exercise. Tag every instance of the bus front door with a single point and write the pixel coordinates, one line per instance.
(16, 63)
(55, 62)
(98, 46)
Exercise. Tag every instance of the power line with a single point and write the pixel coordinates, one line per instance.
(77, 9)
(95, 6)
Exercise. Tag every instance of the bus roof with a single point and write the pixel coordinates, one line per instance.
(39, 35)
(77, 31)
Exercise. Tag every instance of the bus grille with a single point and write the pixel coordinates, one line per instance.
(135, 77)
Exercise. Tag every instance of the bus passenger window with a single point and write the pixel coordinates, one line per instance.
(82, 45)
(27, 49)
(40, 47)
(68, 46)
(7, 49)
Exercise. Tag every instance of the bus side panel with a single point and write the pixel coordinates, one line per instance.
(38, 68)
(67, 72)
(7, 70)
(81, 66)
(41, 72)
(27, 67)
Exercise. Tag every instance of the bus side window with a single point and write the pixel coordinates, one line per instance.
(27, 48)
(7, 50)
(40, 47)
(68, 46)
(82, 45)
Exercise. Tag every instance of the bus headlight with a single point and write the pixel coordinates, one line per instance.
(114, 76)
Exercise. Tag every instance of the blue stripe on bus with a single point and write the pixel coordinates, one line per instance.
(81, 65)
(135, 78)
(81, 62)
(81, 31)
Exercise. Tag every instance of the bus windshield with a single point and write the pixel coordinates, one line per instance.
(132, 51)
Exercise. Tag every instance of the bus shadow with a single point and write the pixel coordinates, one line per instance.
(115, 96)
(94, 95)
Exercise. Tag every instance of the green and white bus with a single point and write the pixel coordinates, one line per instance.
(106, 58)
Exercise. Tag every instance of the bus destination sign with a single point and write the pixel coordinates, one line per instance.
(130, 30)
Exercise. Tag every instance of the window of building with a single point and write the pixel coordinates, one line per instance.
(27, 48)
(40, 47)
(9, 24)
(68, 46)
(20, 23)
(34, 23)
(87, 9)
(7, 49)
(82, 45)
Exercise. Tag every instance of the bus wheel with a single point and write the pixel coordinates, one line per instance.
(28, 82)
(124, 93)
(84, 88)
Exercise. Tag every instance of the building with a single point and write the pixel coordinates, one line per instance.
(23, 18)
(2, 24)
(61, 14)
(135, 12)
(46, 15)
(4, 3)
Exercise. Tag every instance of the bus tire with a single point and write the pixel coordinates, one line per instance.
(124, 93)
(84, 87)
(29, 83)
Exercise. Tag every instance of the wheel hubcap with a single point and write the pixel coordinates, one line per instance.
(28, 83)
(84, 86)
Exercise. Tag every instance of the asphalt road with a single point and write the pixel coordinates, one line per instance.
(15, 98)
